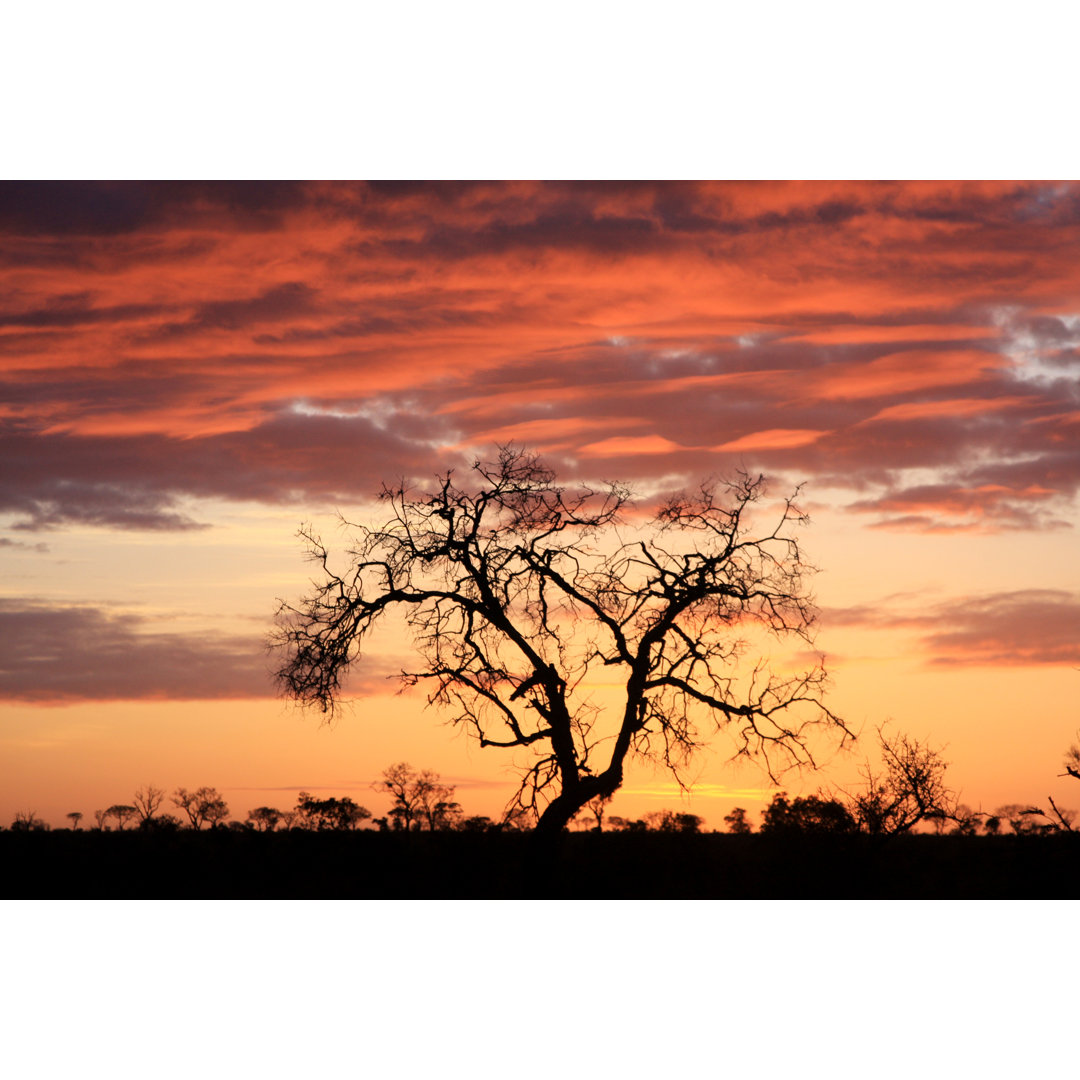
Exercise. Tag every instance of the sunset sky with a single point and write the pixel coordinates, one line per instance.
(190, 371)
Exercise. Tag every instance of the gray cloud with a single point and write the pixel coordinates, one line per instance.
(1021, 628)
(56, 654)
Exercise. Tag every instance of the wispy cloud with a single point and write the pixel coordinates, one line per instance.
(1021, 628)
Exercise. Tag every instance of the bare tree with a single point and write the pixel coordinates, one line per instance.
(75, 817)
(27, 821)
(597, 806)
(908, 787)
(1072, 760)
(204, 806)
(1022, 818)
(100, 817)
(420, 798)
(405, 786)
(516, 591)
(1055, 820)
(147, 802)
(438, 808)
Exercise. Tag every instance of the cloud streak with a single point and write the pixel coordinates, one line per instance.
(1019, 628)
(56, 654)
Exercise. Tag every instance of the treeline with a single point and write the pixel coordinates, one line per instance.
(905, 793)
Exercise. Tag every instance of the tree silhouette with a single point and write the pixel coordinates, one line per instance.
(908, 788)
(264, 818)
(147, 802)
(476, 823)
(737, 823)
(123, 813)
(967, 820)
(203, 807)
(807, 813)
(516, 591)
(323, 814)
(28, 821)
(1072, 760)
(596, 806)
(1022, 819)
(670, 821)
(634, 825)
(420, 798)
(75, 817)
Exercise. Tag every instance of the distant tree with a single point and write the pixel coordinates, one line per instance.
(967, 820)
(122, 813)
(992, 825)
(264, 818)
(324, 814)
(516, 589)
(808, 813)
(28, 821)
(517, 819)
(100, 817)
(215, 810)
(596, 806)
(623, 824)
(204, 806)
(1022, 818)
(420, 798)
(403, 784)
(1056, 820)
(75, 817)
(147, 802)
(438, 809)
(671, 821)
(736, 821)
(1072, 760)
(907, 788)
(476, 823)
(1063, 820)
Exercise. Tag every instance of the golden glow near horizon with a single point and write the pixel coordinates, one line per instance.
(191, 371)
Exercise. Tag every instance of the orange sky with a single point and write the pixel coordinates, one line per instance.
(191, 370)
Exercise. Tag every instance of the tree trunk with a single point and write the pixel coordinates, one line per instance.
(561, 810)
(559, 813)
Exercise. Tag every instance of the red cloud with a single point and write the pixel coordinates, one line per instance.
(159, 341)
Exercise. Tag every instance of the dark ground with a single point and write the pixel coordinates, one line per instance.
(369, 865)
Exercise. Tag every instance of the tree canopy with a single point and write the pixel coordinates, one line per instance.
(518, 592)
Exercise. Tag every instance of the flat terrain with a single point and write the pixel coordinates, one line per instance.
(287, 865)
